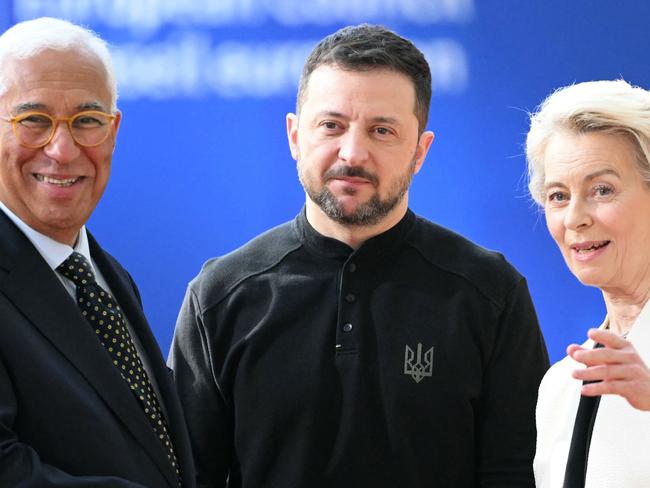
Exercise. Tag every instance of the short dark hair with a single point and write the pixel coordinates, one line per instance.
(366, 47)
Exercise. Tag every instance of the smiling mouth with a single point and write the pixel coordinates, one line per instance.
(61, 182)
(592, 247)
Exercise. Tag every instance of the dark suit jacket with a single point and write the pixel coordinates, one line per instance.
(67, 418)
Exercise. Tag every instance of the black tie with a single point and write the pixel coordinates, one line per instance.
(104, 315)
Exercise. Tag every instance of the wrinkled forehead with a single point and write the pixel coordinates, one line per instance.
(53, 76)
(581, 154)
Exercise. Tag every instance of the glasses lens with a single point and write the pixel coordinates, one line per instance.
(33, 129)
(90, 128)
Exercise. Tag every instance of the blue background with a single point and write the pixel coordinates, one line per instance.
(202, 163)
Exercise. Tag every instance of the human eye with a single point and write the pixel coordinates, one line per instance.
(603, 191)
(34, 121)
(383, 131)
(329, 126)
(557, 197)
(89, 120)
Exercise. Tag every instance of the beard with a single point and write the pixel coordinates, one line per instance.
(367, 213)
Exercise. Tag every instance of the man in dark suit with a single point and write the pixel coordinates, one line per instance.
(85, 396)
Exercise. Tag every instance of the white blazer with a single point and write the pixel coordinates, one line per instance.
(619, 455)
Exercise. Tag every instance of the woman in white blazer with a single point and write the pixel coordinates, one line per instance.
(588, 152)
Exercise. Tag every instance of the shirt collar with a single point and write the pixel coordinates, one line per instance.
(378, 244)
(53, 252)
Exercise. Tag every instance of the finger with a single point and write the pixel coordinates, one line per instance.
(623, 388)
(607, 338)
(608, 373)
(636, 393)
(605, 355)
(573, 348)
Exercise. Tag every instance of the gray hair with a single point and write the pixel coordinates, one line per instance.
(611, 106)
(31, 37)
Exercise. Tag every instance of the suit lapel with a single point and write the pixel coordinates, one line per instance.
(125, 293)
(32, 286)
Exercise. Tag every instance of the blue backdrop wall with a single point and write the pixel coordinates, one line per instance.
(202, 163)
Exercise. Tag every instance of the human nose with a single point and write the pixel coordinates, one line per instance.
(62, 147)
(577, 215)
(354, 147)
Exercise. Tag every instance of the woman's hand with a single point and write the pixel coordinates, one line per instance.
(617, 368)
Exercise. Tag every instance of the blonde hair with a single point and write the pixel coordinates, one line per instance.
(611, 106)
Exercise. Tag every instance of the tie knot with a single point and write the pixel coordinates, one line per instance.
(77, 268)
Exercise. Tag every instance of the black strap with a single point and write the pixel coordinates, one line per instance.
(576, 466)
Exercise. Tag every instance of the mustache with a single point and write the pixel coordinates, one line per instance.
(350, 172)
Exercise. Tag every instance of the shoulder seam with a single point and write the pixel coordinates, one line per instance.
(205, 309)
(492, 300)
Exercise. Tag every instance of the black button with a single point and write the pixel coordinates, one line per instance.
(350, 298)
(352, 267)
(347, 327)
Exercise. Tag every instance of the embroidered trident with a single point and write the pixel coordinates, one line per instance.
(415, 365)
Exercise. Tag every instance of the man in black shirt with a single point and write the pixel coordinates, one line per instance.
(360, 345)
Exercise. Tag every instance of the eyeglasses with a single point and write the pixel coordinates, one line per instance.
(36, 129)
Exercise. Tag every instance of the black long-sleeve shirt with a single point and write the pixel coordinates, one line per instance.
(413, 361)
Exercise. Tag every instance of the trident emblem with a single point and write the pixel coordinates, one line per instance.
(414, 364)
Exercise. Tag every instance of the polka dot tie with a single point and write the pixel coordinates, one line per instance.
(104, 315)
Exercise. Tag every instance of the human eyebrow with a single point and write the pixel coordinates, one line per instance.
(554, 184)
(375, 120)
(386, 120)
(29, 107)
(330, 113)
(596, 174)
(91, 106)
(38, 106)
(589, 177)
